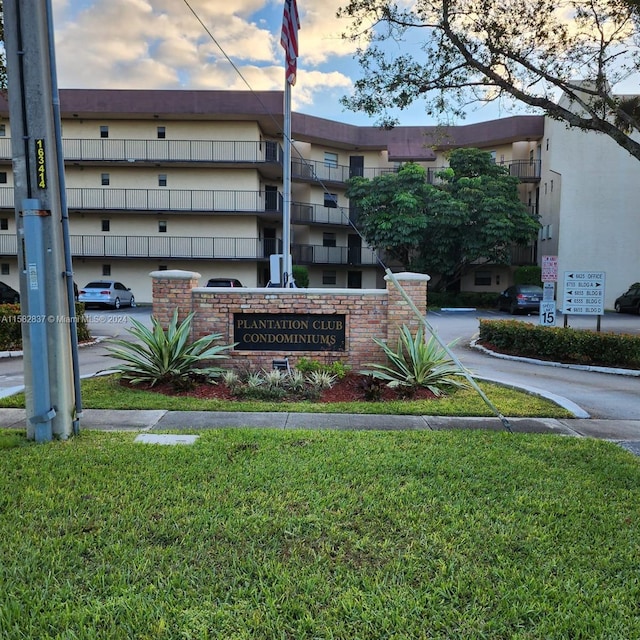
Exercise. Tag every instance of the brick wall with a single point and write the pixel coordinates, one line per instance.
(368, 313)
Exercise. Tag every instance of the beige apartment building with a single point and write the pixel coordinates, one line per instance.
(193, 180)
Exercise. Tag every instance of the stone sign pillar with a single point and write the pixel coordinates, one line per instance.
(171, 289)
(400, 312)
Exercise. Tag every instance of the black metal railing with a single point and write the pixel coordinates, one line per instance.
(162, 150)
(233, 151)
(307, 213)
(170, 247)
(317, 254)
(171, 200)
(525, 170)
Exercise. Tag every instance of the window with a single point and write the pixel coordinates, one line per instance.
(482, 278)
(328, 239)
(106, 269)
(4, 269)
(162, 267)
(493, 155)
(105, 179)
(106, 225)
(329, 277)
(4, 224)
(3, 177)
(331, 200)
(162, 226)
(330, 159)
(162, 180)
(162, 133)
(104, 131)
(3, 130)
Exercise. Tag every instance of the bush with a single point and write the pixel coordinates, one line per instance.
(562, 345)
(528, 275)
(168, 357)
(11, 327)
(301, 276)
(417, 363)
(336, 368)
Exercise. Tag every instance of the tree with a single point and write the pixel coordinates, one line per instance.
(472, 217)
(458, 52)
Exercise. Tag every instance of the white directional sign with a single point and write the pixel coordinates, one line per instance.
(583, 293)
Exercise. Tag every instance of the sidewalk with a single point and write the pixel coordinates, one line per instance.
(627, 431)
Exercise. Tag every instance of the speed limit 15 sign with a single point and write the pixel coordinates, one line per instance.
(548, 313)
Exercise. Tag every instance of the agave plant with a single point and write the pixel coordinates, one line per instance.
(417, 363)
(166, 357)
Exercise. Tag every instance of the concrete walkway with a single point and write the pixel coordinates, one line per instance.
(177, 421)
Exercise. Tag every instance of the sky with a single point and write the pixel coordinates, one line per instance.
(160, 44)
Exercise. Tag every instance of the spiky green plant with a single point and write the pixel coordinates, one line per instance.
(321, 380)
(166, 357)
(417, 363)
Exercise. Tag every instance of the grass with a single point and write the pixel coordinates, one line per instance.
(320, 535)
(106, 393)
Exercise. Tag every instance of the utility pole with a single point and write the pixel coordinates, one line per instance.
(46, 280)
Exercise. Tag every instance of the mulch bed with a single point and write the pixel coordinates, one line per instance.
(348, 389)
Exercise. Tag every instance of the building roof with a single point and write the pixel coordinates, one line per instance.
(267, 107)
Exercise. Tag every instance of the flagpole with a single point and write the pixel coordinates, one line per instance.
(286, 187)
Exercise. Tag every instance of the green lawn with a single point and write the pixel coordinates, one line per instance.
(107, 393)
(319, 535)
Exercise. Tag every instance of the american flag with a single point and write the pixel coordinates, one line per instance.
(289, 38)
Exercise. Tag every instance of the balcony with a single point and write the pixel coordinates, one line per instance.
(305, 213)
(525, 170)
(165, 151)
(112, 246)
(314, 170)
(169, 200)
(309, 254)
(201, 248)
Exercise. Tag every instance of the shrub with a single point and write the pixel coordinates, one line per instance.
(11, 327)
(168, 357)
(528, 275)
(301, 276)
(416, 363)
(337, 368)
(562, 344)
(280, 385)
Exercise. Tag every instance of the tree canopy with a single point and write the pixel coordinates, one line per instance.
(472, 216)
(451, 53)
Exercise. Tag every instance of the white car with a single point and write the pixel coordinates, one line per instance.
(106, 293)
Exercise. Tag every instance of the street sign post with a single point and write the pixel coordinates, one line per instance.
(583, 293)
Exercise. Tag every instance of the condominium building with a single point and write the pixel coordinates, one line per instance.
(193, 180)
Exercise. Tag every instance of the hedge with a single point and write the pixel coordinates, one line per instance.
(562, 345)
(11, 319)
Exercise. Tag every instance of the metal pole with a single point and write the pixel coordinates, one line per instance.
(68, 271)
(37, 178)
(286, 279)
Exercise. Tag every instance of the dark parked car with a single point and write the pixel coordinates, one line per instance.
(106, 293)
(520, 297)
(629, 301)
(223, 282)
(8, 295)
